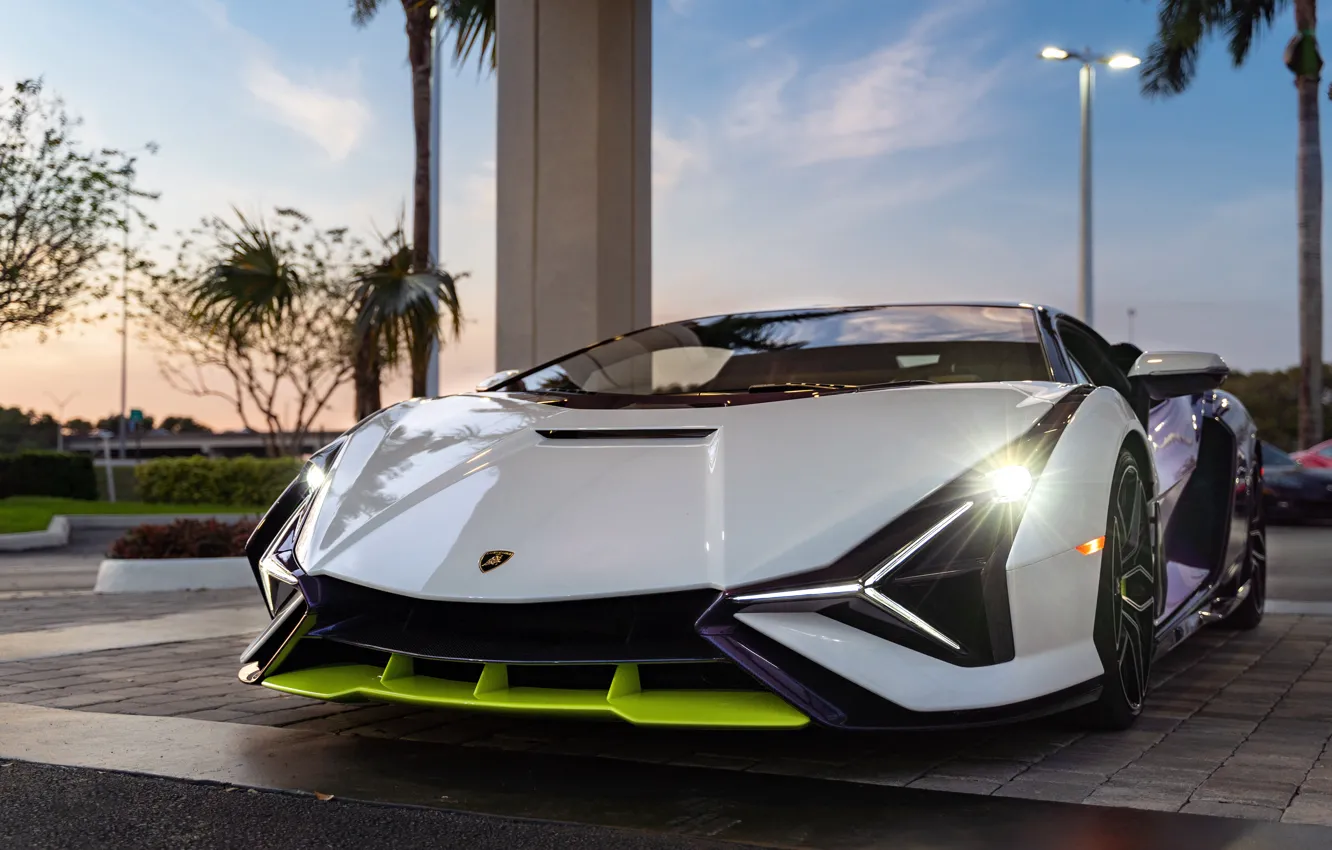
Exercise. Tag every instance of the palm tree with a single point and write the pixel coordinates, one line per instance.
(253, 283)
(471, 22)
(1169, 69)
(398, 312)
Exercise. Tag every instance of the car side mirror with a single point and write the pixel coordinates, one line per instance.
(1167, 374)
(496, 379)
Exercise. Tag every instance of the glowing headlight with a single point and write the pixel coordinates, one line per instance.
(1010, 483)
(314, 477)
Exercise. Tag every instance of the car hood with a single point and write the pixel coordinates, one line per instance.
(608, 502)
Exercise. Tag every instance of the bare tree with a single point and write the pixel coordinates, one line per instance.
(279, 373)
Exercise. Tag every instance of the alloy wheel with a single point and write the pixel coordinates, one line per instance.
(1258, 558)
(1133, 592)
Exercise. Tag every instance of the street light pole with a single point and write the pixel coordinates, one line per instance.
(1086, 79)
(60, 417)
(432, 365)
(1086, 83)
(124, 339)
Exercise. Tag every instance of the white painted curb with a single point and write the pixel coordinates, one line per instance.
(55, 536)
(147, 575)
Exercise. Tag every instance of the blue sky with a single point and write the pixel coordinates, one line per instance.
(839, 152)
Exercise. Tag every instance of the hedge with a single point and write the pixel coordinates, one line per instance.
(240, 481)
(185, 538)
(39, 473)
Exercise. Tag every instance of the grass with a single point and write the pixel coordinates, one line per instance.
(33, 513)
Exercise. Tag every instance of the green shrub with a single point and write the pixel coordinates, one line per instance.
(243, 481)
(185, 538)
(39, 473)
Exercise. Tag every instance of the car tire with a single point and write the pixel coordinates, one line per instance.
(1249, 613)
(1124, 630)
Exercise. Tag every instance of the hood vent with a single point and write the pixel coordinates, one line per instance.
(626, 433)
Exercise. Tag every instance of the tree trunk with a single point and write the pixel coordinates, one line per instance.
(1310, 180)
(419, 354)
(366, 368)
(419, 54)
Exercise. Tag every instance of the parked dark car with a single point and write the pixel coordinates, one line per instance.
(1293, 492)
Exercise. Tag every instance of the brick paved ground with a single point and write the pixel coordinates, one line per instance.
(24, 611)
(1238, 724)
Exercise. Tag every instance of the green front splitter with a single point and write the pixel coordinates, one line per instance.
(624, 699)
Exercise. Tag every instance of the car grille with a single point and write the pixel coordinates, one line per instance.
(651, 627)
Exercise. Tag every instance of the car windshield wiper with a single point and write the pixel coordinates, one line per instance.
(776, 388)
(914, 382)
(773, 388)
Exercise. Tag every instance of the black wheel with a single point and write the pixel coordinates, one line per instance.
(1249, 613)
(1126, 604)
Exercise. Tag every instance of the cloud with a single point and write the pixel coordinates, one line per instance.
(329, 113)
(919, 92)
(673, 157)
(333, 121)
(759, 107)
(681, 7)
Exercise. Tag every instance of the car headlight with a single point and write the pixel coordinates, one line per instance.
(1010, 483)
(271, 547)
(314, 477)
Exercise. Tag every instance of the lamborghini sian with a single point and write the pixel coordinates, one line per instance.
(879, 517)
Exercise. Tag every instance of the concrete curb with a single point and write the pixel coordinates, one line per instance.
(57, 533)
(149, 575)
(55, 536)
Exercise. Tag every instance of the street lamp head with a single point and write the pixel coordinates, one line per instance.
(1054, 53)
(1120, 61)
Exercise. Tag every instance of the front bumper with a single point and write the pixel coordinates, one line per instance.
(667, 660)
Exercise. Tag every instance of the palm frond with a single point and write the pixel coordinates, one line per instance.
(363, 11)
(1245, 19)
(470, 22)
(1183, 26)
(399, 309)
(254, 282)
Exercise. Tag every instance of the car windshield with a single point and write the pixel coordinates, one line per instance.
(806, 349)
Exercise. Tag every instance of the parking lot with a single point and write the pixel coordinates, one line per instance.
(1238, 723)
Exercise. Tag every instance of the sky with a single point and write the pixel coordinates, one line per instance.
(804, 153)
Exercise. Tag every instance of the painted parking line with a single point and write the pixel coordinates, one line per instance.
(758, 808)
(1295, 606)
(9, 595)
(168, 628)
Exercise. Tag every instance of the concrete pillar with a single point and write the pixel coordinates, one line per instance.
(574, 175)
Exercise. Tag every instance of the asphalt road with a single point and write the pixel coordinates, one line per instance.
(73, 567)
(54, 808)
(1299, 563)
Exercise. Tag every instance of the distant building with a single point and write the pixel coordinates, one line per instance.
(164, 444)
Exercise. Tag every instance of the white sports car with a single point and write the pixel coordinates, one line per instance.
(868, 517)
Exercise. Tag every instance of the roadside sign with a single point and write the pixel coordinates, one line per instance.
(135, 418)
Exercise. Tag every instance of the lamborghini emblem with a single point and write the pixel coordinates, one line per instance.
(494, 558)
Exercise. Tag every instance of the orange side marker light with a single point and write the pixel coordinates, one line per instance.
(1091, 547)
